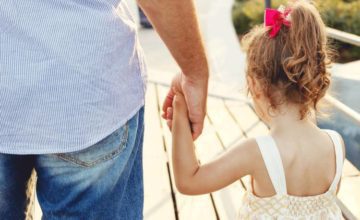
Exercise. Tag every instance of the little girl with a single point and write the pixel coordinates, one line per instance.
(296, 169)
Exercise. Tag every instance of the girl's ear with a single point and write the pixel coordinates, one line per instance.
(250, 83)
(254, 87)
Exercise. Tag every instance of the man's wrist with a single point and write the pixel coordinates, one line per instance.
(197, 75)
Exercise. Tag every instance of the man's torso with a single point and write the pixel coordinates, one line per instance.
(71, 72)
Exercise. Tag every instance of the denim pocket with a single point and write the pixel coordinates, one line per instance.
(105, 150)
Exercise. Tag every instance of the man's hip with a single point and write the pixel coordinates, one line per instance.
(104, 181)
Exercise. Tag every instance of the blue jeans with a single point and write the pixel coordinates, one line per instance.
(104, 181)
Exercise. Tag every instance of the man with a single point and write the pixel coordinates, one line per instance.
(71, 102)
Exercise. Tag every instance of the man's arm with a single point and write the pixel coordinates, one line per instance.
(177, 24)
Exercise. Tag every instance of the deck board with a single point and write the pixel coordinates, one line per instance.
(189, 207)
(227, 129)
(227, 122)
(349, 193)
(227, 200)
(157, 187)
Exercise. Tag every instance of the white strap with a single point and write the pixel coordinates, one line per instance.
(273, 163)
(336, 139)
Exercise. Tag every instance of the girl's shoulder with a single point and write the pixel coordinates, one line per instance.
(336, 139)
(248, 155)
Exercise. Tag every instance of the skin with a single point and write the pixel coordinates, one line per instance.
(307, 153)
(177, 24)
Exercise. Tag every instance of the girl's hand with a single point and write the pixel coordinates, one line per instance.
(180, 123)
(195, 95)
(180, 111)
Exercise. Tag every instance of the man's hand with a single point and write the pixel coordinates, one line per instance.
(177, 24)
(195, 93)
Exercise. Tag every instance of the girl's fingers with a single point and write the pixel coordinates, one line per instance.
(169, 124)
(179, 103)
(163, 115)
(169, 113)
(168, 102)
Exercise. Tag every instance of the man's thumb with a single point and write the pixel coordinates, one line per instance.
(196, 129)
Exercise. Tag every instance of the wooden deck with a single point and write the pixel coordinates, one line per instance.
(226, 122)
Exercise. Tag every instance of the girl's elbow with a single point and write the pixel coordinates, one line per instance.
(187, 188)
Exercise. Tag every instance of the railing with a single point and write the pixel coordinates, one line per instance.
(354, 40)
(350, 113)
(343, 36)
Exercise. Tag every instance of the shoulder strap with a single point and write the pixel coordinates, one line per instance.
(273, 163)
(336, 139)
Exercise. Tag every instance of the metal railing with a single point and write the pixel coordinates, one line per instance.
(353, 40)
(267, 3)
(346, 110)
(343, 36)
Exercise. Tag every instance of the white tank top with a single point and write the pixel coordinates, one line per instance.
(282, 206)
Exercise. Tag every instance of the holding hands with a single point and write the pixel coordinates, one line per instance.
(177, 25)
(193, 97)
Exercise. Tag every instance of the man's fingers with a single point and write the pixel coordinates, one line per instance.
(197, 129)
(169, 124)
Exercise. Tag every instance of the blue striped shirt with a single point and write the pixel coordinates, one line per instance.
(71, 73)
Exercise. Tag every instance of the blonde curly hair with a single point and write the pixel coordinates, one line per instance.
(295, 62)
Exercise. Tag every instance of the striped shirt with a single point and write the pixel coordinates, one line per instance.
(71, 73)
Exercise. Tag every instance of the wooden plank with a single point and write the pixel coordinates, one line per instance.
(228, 130)
(37, 210)
(249, 123)
(228, 199)
(227, 127)
(226, 117)
(188, 207)
(158, 202)
(33, 211)
(349, 193)
(247, 119)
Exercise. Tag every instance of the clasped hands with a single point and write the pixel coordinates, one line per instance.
(194, 92)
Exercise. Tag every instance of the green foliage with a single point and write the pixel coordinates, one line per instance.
(342, 15)
(339, 14)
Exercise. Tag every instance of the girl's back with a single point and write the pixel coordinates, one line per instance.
(308, 158)
(294, 180)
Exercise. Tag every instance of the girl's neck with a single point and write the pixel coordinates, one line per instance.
(288, 119)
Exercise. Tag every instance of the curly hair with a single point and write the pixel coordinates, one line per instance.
(295, 62)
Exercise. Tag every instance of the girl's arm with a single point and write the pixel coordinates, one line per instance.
(191, 177)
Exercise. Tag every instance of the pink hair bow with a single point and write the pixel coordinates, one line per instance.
(275, 19)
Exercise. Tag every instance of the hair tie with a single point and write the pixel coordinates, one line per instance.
(275, 19)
